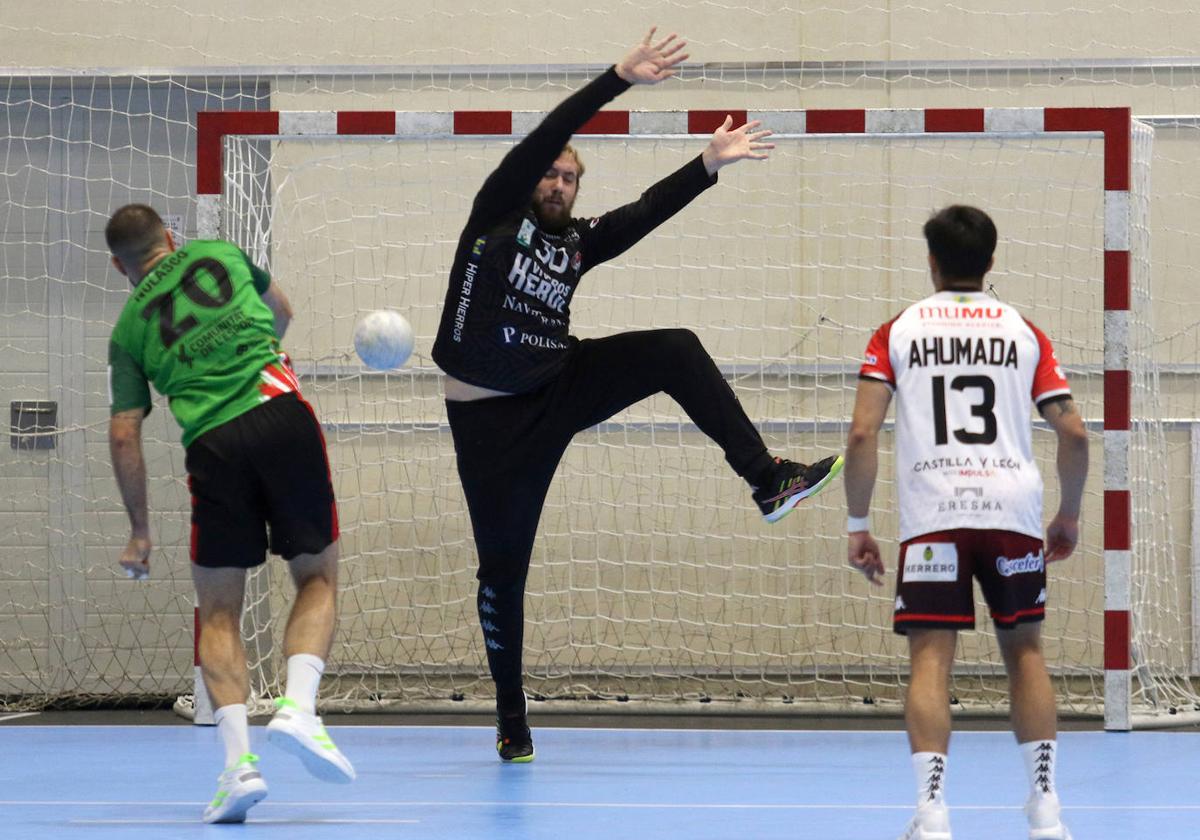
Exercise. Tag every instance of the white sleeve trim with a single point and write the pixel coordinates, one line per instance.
(879, 377)
(1047, 395)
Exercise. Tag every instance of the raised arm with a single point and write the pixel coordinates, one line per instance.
(862, 465)
(619, 230)
(729, 145)
(509, 187)
(1062, 534)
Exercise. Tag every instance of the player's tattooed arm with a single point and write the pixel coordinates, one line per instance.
(1056, 409)
(129, 465)
(1062, 534)
(862, 464)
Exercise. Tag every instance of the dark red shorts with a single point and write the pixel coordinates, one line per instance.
(265, 469)
(933, 587)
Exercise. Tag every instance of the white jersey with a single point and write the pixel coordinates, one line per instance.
(966, 370)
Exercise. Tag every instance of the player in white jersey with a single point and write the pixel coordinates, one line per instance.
(966, 371)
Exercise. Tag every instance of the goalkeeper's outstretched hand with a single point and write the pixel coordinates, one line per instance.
(649, 63)
(729, 145)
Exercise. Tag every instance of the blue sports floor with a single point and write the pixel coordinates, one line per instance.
(587, 784)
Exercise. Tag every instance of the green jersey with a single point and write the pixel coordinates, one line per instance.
(197, 328)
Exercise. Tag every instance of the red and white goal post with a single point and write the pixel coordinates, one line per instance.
(642, 589)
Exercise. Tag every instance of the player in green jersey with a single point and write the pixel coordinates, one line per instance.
(203, 325)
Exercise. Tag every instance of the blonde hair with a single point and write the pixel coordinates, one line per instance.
(570, 150)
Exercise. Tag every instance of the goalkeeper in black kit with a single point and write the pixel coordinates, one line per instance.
(519, 386)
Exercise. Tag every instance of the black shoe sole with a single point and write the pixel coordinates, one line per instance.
(520, 759)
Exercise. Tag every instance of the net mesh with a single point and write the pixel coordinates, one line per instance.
(75, 144)
(653, 578)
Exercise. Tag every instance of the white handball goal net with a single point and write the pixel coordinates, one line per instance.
(653, 577)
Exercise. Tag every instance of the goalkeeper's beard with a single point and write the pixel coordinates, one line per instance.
(553, 212)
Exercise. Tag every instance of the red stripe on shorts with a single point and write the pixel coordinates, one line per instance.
(960, 619)
(1019, 614)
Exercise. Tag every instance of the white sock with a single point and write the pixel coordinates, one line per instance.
(930, 769)
(303, 678)
(1039, 764)
(235, 732)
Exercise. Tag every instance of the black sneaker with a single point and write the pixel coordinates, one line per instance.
(514, 741)
(791, 482)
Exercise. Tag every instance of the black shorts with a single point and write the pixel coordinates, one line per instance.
(933, 587)
(264, 469)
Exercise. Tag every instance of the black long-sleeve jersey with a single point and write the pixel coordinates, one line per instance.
(505, 322)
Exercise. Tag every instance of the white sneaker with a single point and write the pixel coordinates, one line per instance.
(304, 736)
(239, 789)
(1045, 818)
(931, 822)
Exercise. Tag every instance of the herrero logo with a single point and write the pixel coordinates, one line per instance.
(527, 276)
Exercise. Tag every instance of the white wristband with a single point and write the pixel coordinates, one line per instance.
(858, 523)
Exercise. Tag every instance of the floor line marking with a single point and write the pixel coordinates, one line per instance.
(252, 822)
(714, 806)
(1152, 733)
(18, 715)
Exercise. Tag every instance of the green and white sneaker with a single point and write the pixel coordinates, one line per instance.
(239, 789)
(304, 736)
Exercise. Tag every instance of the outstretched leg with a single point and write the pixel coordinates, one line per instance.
(295, 727)
(609, 374)
(310, 625)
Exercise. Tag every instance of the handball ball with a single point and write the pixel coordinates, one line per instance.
(383, 339)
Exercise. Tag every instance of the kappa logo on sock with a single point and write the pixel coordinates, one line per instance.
(936, 771)
(1045, 754)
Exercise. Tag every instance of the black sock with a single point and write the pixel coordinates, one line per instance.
(502, 616)
(510, 703)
